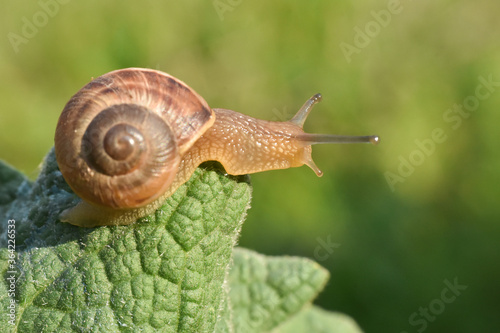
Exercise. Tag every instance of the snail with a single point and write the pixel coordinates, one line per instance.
(129, 138)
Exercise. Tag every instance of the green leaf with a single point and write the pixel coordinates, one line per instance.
(12, 184)
(164, 273)
(317, 320)
(224, 323)
(168, 272)
(266, 291)
(10, 180)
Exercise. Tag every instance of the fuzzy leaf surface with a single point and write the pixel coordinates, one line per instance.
(317, 320)
(266, 291)
(164, 273)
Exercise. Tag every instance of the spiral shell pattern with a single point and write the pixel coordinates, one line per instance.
(120, 139)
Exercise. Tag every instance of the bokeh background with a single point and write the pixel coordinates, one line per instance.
(390, 222)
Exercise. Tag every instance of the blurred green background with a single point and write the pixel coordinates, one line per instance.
(397, 230)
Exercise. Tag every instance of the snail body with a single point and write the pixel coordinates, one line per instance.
(129, 138)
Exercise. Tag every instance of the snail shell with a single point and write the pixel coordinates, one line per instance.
(119, 140)
(129, 138)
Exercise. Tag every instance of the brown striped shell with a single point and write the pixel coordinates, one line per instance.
(120, 139)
